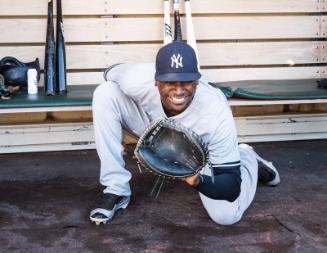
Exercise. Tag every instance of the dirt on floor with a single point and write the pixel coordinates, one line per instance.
(45, 200)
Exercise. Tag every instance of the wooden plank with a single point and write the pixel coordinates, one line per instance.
(22, 118)
(256, 27)
(34, 30)
(223, 6)
(259, 53)
(283, 124)
(150, 29)
(102, 7)
(84, 146)
(282, 137)
(80, 78)
(238, 74)
(38, 8)
(210, 54)
(246, 102)
(223, 75)
(282, 128)
(70, 136)
(46, 109)
(45, 134)
(323, 25)
(46, 147)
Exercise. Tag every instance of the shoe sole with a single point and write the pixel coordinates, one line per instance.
(276, 180)
(121, 205)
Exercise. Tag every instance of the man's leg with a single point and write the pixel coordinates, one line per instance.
(113, 111)
(224, 212)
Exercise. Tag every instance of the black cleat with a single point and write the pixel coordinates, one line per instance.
(107, 206)
(267, 172)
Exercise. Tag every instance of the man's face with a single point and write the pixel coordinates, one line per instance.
(176, 96)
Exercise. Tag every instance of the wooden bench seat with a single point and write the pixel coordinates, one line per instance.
(50, 136)
(58, 135)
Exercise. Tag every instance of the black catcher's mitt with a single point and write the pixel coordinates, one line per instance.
(171, 150)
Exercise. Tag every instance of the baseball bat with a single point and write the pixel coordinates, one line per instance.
(49, 63)
(60, 52)
(189, 28)
(168, 37)
(177, 19)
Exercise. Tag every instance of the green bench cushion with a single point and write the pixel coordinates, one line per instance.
(77, 95)
(273, 89)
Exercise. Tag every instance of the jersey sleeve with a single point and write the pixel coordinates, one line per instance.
(131, 77)
(135, 80)
(223, 143)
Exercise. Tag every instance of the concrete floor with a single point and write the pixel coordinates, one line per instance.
(45, 199)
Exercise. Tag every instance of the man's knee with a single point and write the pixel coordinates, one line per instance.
(226, 217)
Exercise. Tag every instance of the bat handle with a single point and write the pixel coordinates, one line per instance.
(190, 29)
(178, 29)
(168, 38)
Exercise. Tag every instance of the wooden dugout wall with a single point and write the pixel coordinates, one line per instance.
(237, 40)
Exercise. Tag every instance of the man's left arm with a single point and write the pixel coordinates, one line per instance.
(223, 186)
(224, 181)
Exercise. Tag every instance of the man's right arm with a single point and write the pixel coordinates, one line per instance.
(224, 181)
(133, 79)
(106, 73)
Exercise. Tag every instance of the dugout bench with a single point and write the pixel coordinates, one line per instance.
(282, 42)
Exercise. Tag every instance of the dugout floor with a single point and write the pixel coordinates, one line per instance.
(45, 199)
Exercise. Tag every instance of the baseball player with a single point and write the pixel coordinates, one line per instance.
(136, 94)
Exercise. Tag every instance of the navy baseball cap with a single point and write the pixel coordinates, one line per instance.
(176, 61)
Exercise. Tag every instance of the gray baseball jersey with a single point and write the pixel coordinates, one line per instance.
(209, 114)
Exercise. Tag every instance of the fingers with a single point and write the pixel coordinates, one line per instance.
(192, 180)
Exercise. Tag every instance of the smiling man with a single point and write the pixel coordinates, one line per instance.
(137, 94)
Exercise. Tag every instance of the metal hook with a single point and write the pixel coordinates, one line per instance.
(163, 179)
(159, 188)
(155, 186)
(138, 164)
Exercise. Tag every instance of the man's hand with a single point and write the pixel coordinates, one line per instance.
(192, 180)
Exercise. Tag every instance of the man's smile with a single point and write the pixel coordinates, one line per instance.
(178, 99)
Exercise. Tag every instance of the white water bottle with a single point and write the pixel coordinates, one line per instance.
(32, 81)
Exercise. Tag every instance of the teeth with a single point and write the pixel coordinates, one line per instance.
(178, 100)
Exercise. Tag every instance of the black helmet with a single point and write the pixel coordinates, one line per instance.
(14, 71)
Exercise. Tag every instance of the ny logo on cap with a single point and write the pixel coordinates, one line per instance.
(177, 61)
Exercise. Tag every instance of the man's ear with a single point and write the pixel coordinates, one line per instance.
(156, 83)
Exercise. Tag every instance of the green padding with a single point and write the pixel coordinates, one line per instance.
(77, 95)
(226, 90)
(275, 89)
